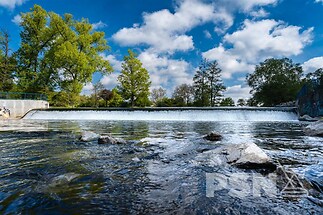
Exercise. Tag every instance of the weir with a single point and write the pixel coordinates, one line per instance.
(168, 114)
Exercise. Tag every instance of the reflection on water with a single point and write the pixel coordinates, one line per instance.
(44, 168)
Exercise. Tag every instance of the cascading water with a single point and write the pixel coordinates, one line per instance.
(216, 115)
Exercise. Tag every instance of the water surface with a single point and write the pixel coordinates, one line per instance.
(45, 169)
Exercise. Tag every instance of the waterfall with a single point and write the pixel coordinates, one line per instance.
(170, 114)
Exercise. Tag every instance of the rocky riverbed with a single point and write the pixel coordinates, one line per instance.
(161, 167)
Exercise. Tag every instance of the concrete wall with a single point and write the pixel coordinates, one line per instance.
(19, 108)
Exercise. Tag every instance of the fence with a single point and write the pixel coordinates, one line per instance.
(23, 96)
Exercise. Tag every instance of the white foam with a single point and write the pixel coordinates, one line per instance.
(165, 115)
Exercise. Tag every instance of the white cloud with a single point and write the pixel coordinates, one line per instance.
(164, 71)
(164, 31)
(238, 92)
(87, 89)
(259, 13)
(114, 62)
(313, 64)
(98, 25)
(11, 4)
(110, 81)
(256, 41)
(17, 19)
(228, 62)
(319, 1)
(207, 34)
(249, 5)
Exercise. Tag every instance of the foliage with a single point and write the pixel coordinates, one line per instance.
(106, 95)
(183, 95)
(208, 86)
(157, 94)
(7, 62)
(58, 53)
(166, 102)
(97, 88)
(227, 102)
(315, 78)
(241, 102)
(116, 99)
(134, 81)
(275, 81)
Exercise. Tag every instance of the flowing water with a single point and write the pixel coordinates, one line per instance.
(45, 169)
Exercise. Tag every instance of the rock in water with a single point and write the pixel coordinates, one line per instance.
(315, 129)
(63, 179)
(251, 156)
(245, 156)
(213, 137)
(110, 140)
(88, 136)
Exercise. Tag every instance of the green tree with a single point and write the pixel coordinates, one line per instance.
(208, 85)
(134, 81)
(201, 87)
(59, 53)
(275, 81)
(157, 94)
(241, 102)
(183, 94)
(7, 62)
(215, 82)
(116, 99)
(227, 102)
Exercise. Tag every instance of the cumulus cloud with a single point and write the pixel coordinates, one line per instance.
(110, 81)
(313, 64)
(17, 19)
(87, 89)
(164, 71)
(115, 63)
(11, 4)
(164, 31)
(98, 25)
(256, 41)
(238, 92)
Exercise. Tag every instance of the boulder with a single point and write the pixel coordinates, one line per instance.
(307, 118)
(88, 136)
(314, 129)
(213, 137)
(246, 156)
(63, 179)
(107, 139)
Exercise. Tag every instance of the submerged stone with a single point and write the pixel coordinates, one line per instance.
(315, 129)
(88, 136)
(213, 137)
(107, 139)
(63, 179)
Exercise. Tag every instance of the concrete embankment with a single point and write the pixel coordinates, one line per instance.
(18, 108)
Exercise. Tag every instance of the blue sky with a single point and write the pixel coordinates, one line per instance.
(172, 36)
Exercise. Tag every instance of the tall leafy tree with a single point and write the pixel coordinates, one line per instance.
(134, 81)
(215, 82)
(208, 85)
(184, 94)
(157, 94)
(275, 81)
(7, 62)
(201, 86)
(59, 53)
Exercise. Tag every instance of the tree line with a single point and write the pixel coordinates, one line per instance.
(58, 55)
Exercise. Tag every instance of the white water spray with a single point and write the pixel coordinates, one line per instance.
(252, 115)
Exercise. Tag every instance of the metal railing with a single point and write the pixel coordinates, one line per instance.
(23, 96)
